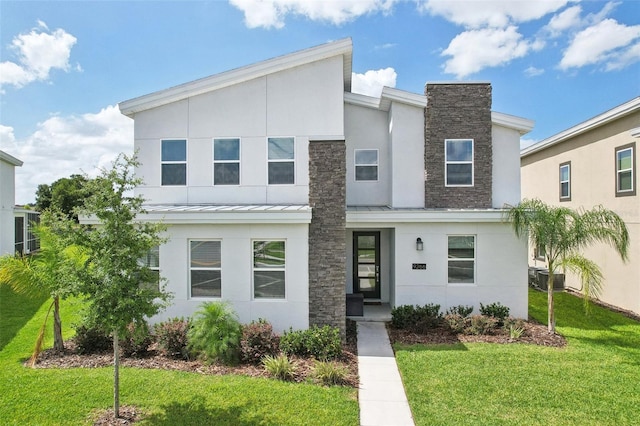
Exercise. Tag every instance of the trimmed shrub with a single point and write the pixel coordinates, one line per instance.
(457, 323)
(258, 340)
(495, 310)
(482, 324)
(322, 343)
(215, 333)
(91, 339)
(462, 310)
(172, 338)
(416, 318)
(279, 367)
(329, 373)
(136, 339)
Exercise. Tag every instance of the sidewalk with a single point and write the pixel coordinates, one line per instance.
(381, 394)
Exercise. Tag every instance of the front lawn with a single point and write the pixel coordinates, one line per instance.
(69, 396)
(594, 380)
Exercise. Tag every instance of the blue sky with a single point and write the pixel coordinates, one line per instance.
(64, 66)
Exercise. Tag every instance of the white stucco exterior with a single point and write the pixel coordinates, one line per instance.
(8, 164)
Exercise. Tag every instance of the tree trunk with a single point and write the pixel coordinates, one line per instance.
(551, 327)
(116, 375)
(58, 343)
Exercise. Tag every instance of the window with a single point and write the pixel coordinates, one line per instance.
(281, 161)
(268, 270)
(152, 261)
(366, 161)
(625, 170)
(565, 181)
(540, 252)
(459, 162)
(226, 161)
(461, 259)
(174, 162)
(205, 268)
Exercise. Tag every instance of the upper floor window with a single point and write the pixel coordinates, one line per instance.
(366, 164)
(174, 162)
(625, 170)
(461, 259)
(226, 161)
(205, 265)
(565, 181)
(268, 269)
(458, 162)
(281, 157)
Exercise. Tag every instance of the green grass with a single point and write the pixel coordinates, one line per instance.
(70, 396)
(594, 380)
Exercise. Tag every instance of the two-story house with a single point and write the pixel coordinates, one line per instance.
(594, 163)
(283, 191)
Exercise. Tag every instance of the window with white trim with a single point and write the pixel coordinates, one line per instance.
(458, 162)
(152, 261)
(269, 269)
(461, 259)
(366, 164)
(174, 162)
(565, 181)
(205, 268)
(226, 161)
(281, 159)
(625, 170)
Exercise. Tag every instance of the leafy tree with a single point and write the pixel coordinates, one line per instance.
(113, 277)
(47, 272)
(65, 195)
(563, 233)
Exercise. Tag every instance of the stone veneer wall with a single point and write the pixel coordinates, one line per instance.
(327, 237)
(458, 111)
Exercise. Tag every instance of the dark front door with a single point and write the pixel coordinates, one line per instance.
(366, 264)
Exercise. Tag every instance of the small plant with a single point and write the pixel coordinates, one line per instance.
(457, 323)
(322, 343)
(136, 339)
(482, 324)
(215, 333)
(462, 310)
(495, 310)
(91, 339)
(329, 373)
(258, 340)
(515, 332)
(172, 338)
(279, 367)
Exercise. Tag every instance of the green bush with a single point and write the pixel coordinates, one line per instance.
(91, 339)
(462, 310)
(416, 318)
(322, 343)
(136, 339)
(457, 323)
(482, 324)
(329, 373)
(172, 338)
(279, 367)
(495, 310)
(215, 333)
(258, 340)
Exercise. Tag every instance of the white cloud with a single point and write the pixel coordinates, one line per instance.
(371, 82)
(533, 71)
(607, 42)
(525, 142)
(272, 13)
(66, 145)
(37, 52)
(491, 13)
(565, 20)
(473, 50)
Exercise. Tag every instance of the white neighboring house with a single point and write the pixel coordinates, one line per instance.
(283, 191)
(8, 164)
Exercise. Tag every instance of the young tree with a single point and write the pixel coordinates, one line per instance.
(563, 233)
(114, 277)
(47, 272)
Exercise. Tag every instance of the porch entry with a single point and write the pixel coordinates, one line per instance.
(366, 264)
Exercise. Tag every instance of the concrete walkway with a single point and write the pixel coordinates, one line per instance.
(381, 394)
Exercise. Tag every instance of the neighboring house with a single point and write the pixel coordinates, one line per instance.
(7, 202)
(594, 163)
(26, 241)
(283, 191)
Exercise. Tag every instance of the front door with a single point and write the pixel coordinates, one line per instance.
(366, 264)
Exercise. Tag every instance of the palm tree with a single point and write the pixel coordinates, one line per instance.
(45, 273)
(563, 233)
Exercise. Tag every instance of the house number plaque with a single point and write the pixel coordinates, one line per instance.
(419, 266)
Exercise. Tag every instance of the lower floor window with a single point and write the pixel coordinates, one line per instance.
(152, 261)
(461, 259)
(205, 268)
(269, 269)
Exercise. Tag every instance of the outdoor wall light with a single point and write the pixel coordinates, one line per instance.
(419, 244)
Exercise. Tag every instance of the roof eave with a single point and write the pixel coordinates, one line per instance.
(522, 125)
(10, 159)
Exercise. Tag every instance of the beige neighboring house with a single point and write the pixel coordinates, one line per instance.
(592, 163)
(8, 164)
